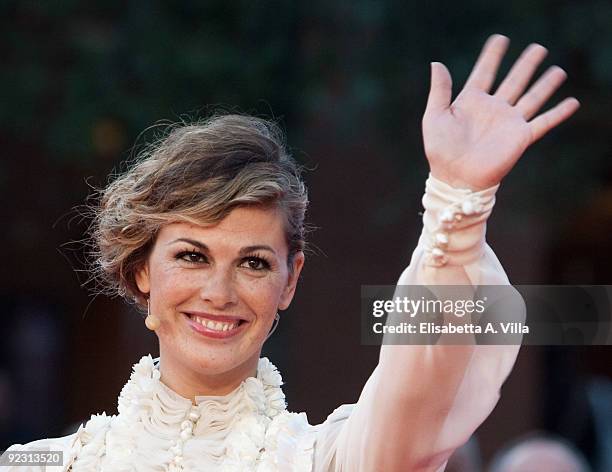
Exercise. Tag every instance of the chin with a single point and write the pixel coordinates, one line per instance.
(218, 363)
(212, 353)
(216, 360)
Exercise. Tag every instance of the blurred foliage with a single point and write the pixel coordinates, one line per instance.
(82, 79)
(71, 67)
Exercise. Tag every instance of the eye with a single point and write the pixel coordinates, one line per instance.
(255, 263)
(193, 257)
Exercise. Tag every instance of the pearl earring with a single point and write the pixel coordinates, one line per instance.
(151, 321)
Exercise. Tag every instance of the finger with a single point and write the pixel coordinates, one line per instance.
(484, 71)
(441, 89)
(553, 117)
(519, 76)
(545, 86)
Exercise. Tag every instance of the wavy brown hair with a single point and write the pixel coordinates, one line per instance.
(196, 173)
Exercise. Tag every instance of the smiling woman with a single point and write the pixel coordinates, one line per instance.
(206, 233)
(216, 290)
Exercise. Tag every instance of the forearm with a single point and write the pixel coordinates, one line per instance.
(413, 402)
(423, 401)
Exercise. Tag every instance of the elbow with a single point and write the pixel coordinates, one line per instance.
(423, 463)
(431, 463)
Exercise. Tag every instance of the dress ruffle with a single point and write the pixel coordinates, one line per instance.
(156, 429)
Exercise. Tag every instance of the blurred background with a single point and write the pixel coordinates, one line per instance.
(348, 81)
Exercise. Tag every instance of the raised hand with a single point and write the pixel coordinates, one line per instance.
(474, 141)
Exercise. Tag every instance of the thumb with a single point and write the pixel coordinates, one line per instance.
(441, 90)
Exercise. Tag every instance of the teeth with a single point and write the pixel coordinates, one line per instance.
(215, 325)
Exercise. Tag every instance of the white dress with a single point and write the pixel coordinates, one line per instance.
(250, 429)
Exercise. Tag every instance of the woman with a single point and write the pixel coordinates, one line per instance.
(206, 233)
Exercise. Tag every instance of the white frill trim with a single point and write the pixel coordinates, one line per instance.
(453, 222)
(156, 429)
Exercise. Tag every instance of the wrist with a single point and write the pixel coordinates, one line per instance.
(474, 185)
(454, 222)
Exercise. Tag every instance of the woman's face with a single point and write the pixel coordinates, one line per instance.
(216, 289)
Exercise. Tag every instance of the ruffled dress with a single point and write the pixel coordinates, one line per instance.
(250, 429)
(158, 430)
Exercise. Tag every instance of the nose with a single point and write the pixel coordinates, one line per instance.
(218, 288)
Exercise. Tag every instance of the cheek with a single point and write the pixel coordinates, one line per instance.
(263, 295)
(172, 285)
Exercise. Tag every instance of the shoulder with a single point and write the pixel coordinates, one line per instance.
(289, 442)
(326, 437)
(335, 420)
(70, 445)
(64, 444)
(339, 415)
(300, 446)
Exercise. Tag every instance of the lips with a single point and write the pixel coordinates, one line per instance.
(217, 318)
(213, 326)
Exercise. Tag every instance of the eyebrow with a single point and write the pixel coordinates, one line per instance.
(243, 251)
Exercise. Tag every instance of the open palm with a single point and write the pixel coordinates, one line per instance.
(474, 141)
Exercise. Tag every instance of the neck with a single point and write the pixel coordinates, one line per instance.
(190, 382)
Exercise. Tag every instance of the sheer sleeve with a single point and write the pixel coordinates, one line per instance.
(423, 401)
